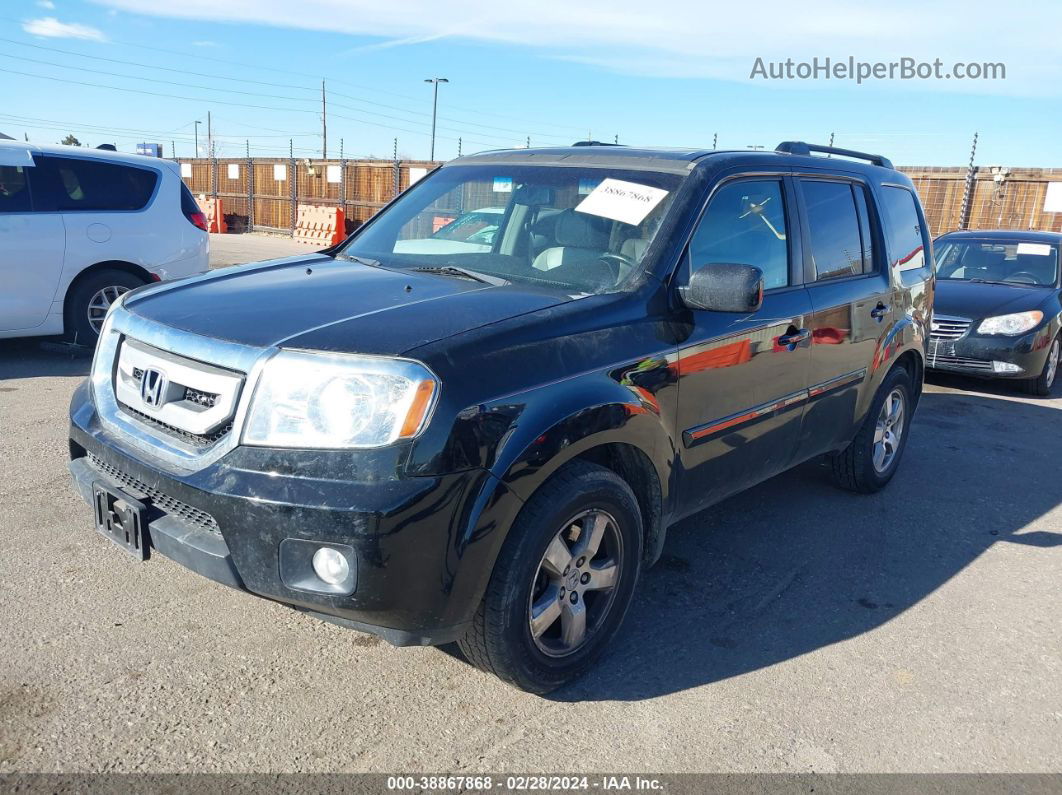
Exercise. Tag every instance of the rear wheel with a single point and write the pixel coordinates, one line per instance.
(1041, 385)
(563, 581)
(870, 461)
(89, 300)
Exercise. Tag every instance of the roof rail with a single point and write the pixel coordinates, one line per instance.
(594, 143)
(801, 148)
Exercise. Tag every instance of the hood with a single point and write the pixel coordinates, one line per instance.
(975, 301)
(319, 303)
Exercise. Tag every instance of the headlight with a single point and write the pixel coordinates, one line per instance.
(337, 401)
(1011, 325)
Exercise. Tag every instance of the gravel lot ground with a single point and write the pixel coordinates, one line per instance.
(792, 628)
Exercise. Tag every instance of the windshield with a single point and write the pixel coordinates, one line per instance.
(1002, 261)
(579, 230)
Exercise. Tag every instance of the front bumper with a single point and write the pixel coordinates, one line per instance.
(974, 355)
(424, 546)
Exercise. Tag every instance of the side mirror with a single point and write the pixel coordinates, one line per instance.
(722, 287)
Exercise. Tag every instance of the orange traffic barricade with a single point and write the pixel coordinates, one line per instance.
(212, 210)
(320, 226)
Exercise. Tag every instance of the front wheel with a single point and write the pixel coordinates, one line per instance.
(870, 461)
(1041, 385)
(563, 581)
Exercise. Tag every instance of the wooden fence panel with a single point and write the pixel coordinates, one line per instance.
(1015, 201)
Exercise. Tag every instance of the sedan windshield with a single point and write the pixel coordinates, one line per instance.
(578, 230)
(998, 261)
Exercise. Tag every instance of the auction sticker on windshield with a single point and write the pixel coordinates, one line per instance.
(627, 202)
(1035, 249)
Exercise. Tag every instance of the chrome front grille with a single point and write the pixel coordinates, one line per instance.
(195, 439)
(948, 328)
(164, 502)
(181, 400)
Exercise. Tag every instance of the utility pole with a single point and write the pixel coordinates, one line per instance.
(173, 149)
(616, 139)
(196, 152)
(210, 135)
(528, 142)
(715, 140)
(434, 107)
(458, 147)
(324, 123)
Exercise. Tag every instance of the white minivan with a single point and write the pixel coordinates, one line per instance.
(79, 227)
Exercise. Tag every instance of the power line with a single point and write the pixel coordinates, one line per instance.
(153, 48)
(237, 91)
(207, 88)
(271, 84)
(156, 80)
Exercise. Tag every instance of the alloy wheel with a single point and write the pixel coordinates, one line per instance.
(575, 583)
(1052, 363)
(101, 302)
(889, 430)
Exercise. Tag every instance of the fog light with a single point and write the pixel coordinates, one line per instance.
(1005, 367)
(331, 566)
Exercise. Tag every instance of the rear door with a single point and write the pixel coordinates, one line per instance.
(852, 304)
(31, 249)
(742, 377)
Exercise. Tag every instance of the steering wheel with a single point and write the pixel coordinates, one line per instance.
(620, 264)
(1031, 278)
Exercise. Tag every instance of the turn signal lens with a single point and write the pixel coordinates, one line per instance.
(418, 409)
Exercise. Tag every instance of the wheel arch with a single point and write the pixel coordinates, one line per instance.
(106, 265)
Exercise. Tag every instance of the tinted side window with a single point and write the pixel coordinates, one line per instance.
(67, 184)
(745, 224)
(864, 227)
(14, 190)
(905, 228)
(836, 245)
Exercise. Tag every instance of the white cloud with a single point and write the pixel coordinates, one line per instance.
(684, 38)
(52, 28)
(46, 4)
(205, 43)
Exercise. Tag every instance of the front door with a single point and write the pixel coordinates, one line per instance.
(31, 253)
(743, 377)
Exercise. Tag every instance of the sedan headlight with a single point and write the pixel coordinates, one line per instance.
(1011, 325)
(338, 401)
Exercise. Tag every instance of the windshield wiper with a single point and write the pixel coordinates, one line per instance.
(993, 281)
(372, 263)
(463, 273)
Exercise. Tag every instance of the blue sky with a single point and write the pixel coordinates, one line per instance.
(671, 72)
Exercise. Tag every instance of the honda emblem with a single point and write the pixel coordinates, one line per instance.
(152, 388)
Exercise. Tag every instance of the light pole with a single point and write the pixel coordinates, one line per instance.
(434, 107)
(197, 123)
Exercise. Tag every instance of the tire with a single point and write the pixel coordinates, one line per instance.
(501, 640)
(1041, 385)
(78, 327)
(857, 468)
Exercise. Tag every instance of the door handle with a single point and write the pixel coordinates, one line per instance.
(879, 311)
(794, 337)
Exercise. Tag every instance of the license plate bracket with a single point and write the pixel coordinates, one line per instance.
(121, 518)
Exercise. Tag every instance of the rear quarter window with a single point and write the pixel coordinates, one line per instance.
(906, 244)
(67, 184)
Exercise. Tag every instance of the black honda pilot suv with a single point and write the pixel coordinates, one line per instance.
(484, 438)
